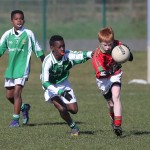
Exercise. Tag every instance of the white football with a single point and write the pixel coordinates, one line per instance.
(120, 54)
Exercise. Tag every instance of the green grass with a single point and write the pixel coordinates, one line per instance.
(46, 130)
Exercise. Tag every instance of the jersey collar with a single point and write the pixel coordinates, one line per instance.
(54, 59)
(19, 31)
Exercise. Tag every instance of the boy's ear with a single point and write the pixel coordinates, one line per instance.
(52, 48)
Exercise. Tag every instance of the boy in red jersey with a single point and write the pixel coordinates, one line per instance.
(108, 76)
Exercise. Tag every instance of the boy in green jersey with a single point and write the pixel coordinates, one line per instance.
(20, 43)
(55, 73)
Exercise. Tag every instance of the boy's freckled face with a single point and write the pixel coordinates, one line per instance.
(106, 46)
(17, 21)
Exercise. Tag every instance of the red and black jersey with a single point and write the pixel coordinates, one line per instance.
(103, 61)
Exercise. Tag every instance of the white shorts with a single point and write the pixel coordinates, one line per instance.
(12, 82)
(65, 85)
(105, 84)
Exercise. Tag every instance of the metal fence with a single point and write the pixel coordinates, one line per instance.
(71, 10)
(65, 10)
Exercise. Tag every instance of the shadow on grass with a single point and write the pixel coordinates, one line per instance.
(136, 133)
(49, 123)
(86, 132)
(140, 132)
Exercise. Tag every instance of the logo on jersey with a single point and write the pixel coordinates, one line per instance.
(10, 42)
(23, 41)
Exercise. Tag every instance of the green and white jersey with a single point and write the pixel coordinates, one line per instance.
(19, 49)
(54, 72)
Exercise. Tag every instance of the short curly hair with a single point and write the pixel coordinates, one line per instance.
(16, 12)
(106, 35)
(55, 38)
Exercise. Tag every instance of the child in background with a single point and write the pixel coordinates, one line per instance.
(108, 76)
(20, 43)
(55, 73)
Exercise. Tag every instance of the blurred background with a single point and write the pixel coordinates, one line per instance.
(79, 21)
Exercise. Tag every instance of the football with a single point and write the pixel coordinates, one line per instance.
(120, 54)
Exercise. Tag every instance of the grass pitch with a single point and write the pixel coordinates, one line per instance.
(46, 130)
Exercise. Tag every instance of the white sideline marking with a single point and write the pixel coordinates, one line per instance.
(138, 81)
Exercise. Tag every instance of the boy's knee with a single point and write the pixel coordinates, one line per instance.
(63, 110)
(73, 111)
(9, 97)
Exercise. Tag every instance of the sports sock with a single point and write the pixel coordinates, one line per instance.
(16, 117)
(117, 120)
(23, 107)
(73, 125)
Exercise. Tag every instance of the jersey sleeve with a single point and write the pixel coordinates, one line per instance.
(78, 57)
(3, 43)
(45, 72)
(35, 45)
(46, 65)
